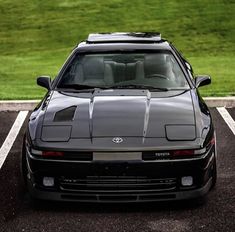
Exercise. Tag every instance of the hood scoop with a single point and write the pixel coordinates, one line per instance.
(61, 130)
(64, 115)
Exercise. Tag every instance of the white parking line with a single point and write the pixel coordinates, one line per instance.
(227, 118)
(6, 146)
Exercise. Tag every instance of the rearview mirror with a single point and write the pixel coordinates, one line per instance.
(202, 80)
(44, 81)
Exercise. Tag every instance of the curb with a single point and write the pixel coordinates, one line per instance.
(228, 102)
(17, 105)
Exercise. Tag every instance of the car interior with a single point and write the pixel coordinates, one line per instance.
(113, 69)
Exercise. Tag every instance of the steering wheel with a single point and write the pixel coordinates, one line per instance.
(158, 76)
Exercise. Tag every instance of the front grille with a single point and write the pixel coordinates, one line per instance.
(79, 156)
(114, 184)
(90, 156)
(148, 156)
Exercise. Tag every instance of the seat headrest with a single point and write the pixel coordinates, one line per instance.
(93, 65)
(155, 63)
(124, 58)
(157, 59)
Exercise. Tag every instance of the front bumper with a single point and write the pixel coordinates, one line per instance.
(112, 198)
(131, 181)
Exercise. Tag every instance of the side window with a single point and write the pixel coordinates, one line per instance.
(190, 74)
(70, 73)
(188, 66)
(177, 74)
(186, 63)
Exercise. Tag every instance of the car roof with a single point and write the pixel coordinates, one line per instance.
(144, 37)
(123, 41)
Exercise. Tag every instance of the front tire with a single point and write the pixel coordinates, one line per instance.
(23, 164)
(214, 174)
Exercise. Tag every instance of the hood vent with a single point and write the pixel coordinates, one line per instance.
(65, 114)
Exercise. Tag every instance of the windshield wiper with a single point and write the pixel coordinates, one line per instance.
(85, 88)
(80, 87)
(133, 86)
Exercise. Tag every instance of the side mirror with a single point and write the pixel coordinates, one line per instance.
(44, 81)
(202, 80)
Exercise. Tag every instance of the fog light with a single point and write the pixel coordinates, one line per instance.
(48, 181)
(187, 180)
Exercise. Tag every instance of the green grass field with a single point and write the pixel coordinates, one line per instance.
(36, 36)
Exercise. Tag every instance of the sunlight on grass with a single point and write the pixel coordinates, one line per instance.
(37, 36)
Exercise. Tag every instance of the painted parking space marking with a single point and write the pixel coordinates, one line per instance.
(231, 112)
(6, 121)
(227, 118)
(6, 146)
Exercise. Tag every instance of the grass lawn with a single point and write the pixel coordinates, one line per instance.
(37, 36)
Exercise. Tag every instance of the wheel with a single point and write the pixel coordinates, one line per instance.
(34, 202)
(214, 167)
(23, 163)
(214, 174)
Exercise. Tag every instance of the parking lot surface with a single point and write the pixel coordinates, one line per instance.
(19, 213)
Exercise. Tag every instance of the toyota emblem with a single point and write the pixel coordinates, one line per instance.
(117, 140)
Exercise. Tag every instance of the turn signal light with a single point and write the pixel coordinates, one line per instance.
(52, 153)
(183, 153)
(212, 142)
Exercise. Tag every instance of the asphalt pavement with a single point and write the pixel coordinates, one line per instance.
(19, 213)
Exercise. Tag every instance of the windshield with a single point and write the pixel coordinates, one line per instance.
(120, 70)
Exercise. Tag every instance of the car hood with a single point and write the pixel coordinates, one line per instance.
(119, 113)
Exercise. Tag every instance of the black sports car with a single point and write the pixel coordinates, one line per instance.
(122, 122)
